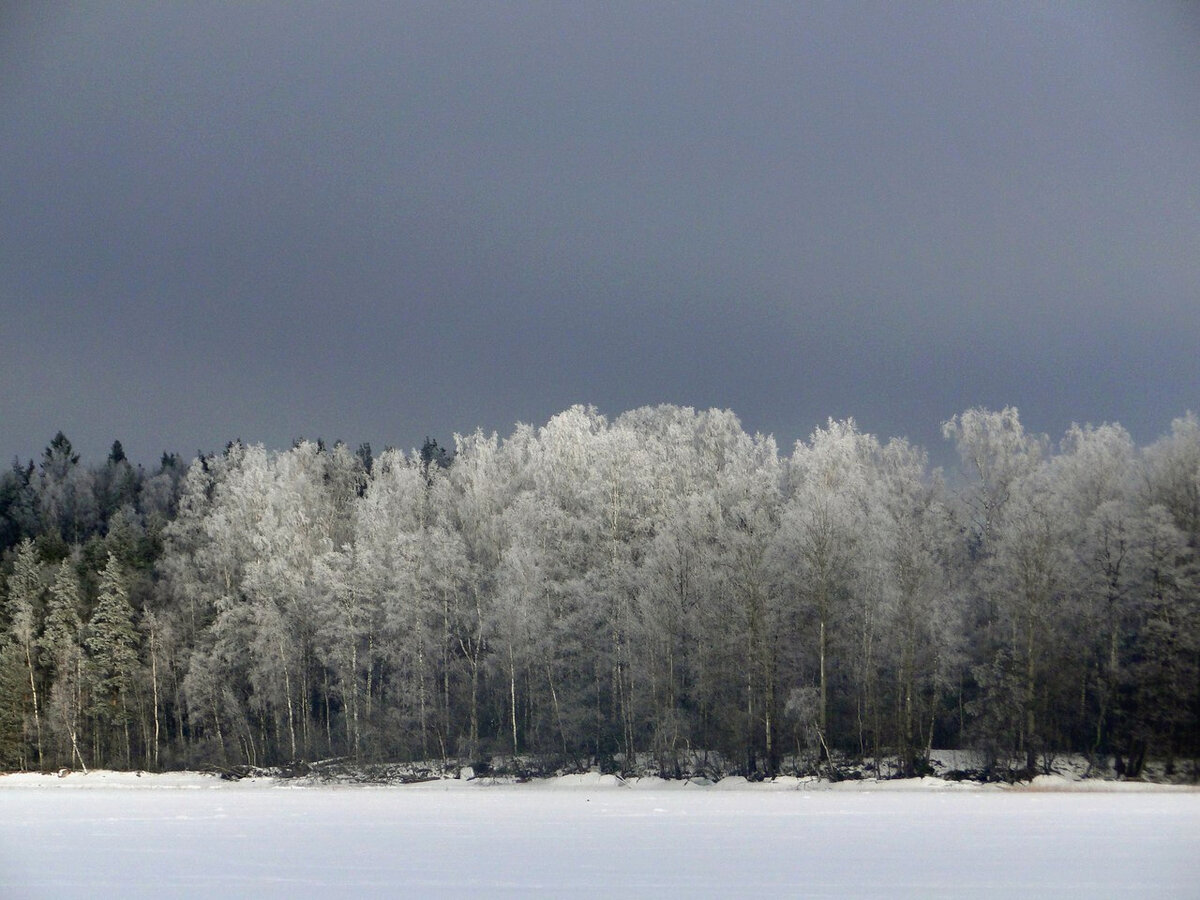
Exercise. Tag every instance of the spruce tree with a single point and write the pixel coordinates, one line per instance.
(61, 641)
(12, 714)
(111, 643)
(24, 596)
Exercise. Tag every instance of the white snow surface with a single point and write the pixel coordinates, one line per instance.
(108, 834)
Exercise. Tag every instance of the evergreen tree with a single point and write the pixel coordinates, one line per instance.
(111, 642)
(18, 505)
(66, 489)
(61, 641)
(117, 484)
(13, 685)
(24, 600)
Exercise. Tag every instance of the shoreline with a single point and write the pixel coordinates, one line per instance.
(192, 780)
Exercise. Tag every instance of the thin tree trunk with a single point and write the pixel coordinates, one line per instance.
(306, 713)
(329, 717)
(154, 689)
(370, 676)
(78, 755)
(750, 763)
(512, 695)
(220, 734)
(445, 667)
(287, 684)
(355, 741)
(1030, 685)
(821, 715)
(421, 700)
(37, 718)
(125, 729)
(562, 733)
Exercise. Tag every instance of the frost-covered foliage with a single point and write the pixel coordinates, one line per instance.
(658, 586)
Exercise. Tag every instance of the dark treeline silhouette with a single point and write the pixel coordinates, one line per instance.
(657, 586)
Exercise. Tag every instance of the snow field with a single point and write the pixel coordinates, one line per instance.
(116, 835)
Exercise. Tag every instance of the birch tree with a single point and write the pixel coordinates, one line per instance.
(821, 542)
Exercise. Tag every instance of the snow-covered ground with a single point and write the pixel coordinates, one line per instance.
(120, 835)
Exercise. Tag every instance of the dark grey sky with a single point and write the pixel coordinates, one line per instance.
(377, 222)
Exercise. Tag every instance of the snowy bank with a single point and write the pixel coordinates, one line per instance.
(585, 781)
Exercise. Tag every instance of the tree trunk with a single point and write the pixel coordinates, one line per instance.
(557, 711)
(37, 718)
(287, 684)
(1030, 686)
(356, 741)
(821, 713)
(512, 695)
(154, 690)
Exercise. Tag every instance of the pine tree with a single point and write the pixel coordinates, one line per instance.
(63, 624)
(111, 643)
(61, 641)
(12, 714)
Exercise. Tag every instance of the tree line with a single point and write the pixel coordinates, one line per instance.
(659, 586)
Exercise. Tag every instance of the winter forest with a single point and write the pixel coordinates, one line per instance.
(660, 586)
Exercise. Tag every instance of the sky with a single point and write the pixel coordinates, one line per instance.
(381, 222)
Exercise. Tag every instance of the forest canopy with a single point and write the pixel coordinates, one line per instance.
(594, 591)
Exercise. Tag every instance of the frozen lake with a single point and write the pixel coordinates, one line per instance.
(200, 837)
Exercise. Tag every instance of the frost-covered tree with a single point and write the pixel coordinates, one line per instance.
(747, 491)
(596, 589)
(490, 618)
(24, 612)
(303, 502)
(580, 667)
(822, 545)
(111, 642)
(19, 517)
(13, 748)
(996, 451)
(117, 484)
(210, 547)
(1028, 572)
(680, 619)
(1160, 707)
(62, 642)
(403, 647)
(1173, 475)
(920, 633)
(1094, 478)
(1011, 569)
(66, 492)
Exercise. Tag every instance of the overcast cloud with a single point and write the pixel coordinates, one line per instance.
(378, 222)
